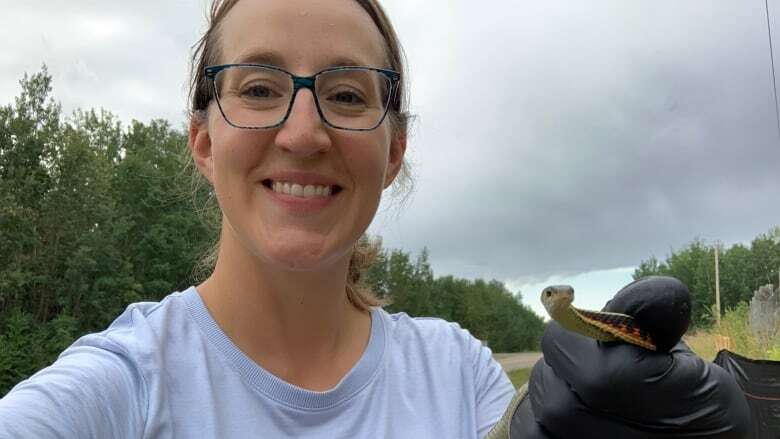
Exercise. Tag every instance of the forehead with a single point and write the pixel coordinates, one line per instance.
(303, 36)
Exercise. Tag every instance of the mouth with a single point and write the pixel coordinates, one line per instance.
(302, 191)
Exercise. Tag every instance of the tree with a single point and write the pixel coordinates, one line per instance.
(487, 309)
(29, 132)
(765, 251)
(92, 217)
(737, 277)
(742, 270)
(650, 267)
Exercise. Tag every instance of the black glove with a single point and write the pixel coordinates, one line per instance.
(583, 388)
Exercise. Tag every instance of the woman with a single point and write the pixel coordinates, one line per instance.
(297, 125)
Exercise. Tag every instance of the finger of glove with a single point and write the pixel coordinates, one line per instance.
(660, 392)
(561, 413)
(662, 304)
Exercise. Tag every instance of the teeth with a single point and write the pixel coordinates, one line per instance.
(297, 190)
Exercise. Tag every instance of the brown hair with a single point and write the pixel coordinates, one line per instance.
(207, 52)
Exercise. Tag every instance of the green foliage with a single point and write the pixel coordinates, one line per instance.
(519, 377)
(487, 309)
(93, 216)
(735, 326)
(26, 346)
(742, 270)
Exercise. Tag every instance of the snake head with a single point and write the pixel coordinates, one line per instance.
(557, 297)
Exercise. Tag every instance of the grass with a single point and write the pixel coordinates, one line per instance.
(734, 325)
(703, 343)
(519, 377)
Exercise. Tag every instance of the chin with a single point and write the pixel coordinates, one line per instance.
(307, 259)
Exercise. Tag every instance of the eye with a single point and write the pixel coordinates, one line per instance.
(346, 97)
(548, 293)
(258, 91)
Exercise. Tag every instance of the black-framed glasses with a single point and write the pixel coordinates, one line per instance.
(259, 96)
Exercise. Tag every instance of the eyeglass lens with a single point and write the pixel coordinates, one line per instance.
(259, 97)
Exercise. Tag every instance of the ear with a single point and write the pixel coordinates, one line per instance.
(200, 147)
(396, 157)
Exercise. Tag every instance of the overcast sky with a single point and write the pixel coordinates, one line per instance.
(555, 141)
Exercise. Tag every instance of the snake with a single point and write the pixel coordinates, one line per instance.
(599, 325)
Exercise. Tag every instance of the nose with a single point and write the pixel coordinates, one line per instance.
(303, 133)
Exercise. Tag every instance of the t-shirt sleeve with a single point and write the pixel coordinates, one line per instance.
(494, 390)
(89, 392)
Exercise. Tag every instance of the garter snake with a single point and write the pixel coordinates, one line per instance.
(601, 325)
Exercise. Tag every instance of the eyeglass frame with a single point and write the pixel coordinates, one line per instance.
(300, 82)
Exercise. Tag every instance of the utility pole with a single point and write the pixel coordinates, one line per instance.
(717, 286)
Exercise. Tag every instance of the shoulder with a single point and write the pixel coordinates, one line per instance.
(430, 329)
(123, 347)
(446, 357)
(120, 354)
(135, 334)
(99, 377)
(435, 339)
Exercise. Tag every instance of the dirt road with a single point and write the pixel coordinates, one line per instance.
(515, 361)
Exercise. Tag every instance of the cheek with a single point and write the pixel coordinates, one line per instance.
(369, 166)
(368, 156)
(236, 153)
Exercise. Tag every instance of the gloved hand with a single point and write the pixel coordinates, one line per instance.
(583, 388)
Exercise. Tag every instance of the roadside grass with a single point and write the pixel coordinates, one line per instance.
(735, 326)
(703, 343)
(519, 376)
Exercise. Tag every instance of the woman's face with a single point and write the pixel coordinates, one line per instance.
(289, 232)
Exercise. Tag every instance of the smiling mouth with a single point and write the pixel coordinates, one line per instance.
(302, 191)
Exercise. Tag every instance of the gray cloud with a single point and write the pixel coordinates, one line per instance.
(571, 137)
(129, 58)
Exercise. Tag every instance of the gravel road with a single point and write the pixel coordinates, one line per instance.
(515, 361)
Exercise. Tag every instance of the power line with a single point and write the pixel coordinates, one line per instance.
(772, 58)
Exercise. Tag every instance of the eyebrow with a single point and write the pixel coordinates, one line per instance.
(276, 59)
(272, 58)
(346, 61)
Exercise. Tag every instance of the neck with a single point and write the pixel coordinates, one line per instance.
(295, 324)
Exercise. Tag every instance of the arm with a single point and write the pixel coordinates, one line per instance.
(494, 390)
(89, 392)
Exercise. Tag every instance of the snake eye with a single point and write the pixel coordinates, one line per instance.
(548, 293)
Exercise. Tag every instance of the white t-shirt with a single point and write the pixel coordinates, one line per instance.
(166, 370)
